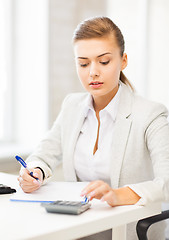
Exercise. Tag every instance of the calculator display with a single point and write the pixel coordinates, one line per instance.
(66, 207)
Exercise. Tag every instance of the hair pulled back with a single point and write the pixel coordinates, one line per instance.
(100, 27)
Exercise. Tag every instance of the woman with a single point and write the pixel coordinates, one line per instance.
(109, 136)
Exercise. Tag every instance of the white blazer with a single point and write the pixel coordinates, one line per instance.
(140, 150)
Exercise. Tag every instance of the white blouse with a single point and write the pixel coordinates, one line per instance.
(91, 167)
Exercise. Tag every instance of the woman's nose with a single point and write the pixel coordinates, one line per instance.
(94, 71)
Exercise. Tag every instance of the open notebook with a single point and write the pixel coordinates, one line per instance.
(52, 191)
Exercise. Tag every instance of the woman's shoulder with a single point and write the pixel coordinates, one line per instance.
(146, 103)
(139, 106)
(148, 108)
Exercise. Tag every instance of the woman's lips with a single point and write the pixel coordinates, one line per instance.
(96, 84)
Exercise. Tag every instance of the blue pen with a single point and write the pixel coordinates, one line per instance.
(23, 163)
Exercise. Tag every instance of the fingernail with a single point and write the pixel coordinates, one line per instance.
(102, 199)
(35, 174)
(89, 197)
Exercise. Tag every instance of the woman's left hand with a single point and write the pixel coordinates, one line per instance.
(100, 190)
(114, 197)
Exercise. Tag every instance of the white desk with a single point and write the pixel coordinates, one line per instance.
(21, 220)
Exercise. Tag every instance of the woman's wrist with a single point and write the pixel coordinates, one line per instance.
(126, 196)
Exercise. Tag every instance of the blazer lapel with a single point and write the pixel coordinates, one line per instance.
(121, 134)
(119, 145)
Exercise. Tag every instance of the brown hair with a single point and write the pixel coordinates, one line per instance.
(99, 27)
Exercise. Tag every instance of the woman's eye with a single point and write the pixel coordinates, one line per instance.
(105, 63)
(83, 64)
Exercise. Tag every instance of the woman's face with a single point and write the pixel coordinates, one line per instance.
(98, 63)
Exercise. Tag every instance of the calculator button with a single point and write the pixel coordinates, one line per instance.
(74, 203)
(66, 203)
(57, 202)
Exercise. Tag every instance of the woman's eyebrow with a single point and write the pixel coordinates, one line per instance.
(97, 56)
(82, 57)
(104, 54)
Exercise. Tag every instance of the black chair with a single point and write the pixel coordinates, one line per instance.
(144, 224)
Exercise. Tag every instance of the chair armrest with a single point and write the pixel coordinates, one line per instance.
(144, 224)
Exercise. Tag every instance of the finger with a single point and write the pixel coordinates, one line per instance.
(29, 186)
(37, 173)
(90, 187)
(99, 191)
(24, 174)
(29, 189)
(34, 182)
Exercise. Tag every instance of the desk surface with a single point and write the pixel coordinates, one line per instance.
(20, 220)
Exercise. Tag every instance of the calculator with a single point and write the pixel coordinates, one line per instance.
(66, 207)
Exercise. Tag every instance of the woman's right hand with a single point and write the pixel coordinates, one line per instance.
(27, 182)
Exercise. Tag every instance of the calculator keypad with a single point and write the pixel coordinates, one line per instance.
(68, 203)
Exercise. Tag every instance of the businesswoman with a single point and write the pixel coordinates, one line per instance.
(109, 136)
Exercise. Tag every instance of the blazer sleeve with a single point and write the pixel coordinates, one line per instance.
(48, 153)
(157, 141)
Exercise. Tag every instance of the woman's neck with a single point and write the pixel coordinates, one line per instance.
(100, 102)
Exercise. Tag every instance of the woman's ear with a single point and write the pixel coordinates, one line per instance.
(124, 61)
